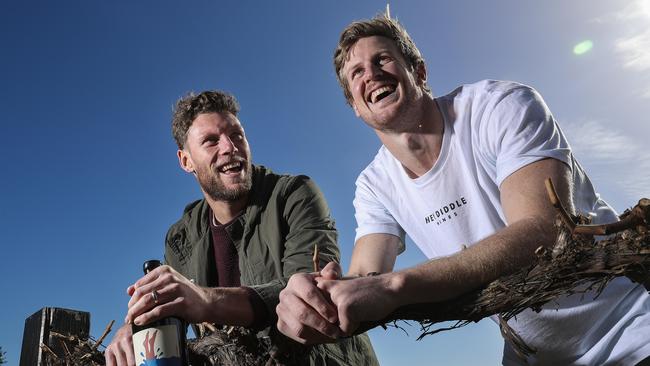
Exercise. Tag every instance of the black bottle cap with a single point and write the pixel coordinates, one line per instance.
(150, 265)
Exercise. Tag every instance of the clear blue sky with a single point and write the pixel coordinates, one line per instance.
(90, 180)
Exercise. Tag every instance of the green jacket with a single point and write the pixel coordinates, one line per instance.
(274, 237)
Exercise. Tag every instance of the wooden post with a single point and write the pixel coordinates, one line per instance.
(37, 332)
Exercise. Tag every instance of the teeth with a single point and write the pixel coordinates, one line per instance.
(230, 166)
(376, 93)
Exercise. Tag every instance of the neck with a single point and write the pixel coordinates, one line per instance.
(226, 211)
(418, 147)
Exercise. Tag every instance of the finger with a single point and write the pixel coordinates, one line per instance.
(167, 288)
(348, 328)
(313, 297)
(331, 271)
(120, 351)
(348, 319)
(327, 286)
(160, 311)
(301, 333)
(147, 278)
(302, 286)
(347, 323)
(146, 289)
(125, 347)
(128, 352)
(308, 336)
(110, 357)
(324, 284)
(121, 356)
(162, 272)
(143, 304)
(294, 311)
(130, 290)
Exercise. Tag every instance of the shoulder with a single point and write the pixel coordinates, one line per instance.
(488, 91)
(494, 105)
(192, 216)
(290, 196)
(273, 184)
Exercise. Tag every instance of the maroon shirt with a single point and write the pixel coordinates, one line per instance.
(225, 255)
(227, 262)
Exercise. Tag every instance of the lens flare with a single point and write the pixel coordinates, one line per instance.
(583, 47)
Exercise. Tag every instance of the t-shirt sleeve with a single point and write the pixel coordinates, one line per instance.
(372, 216)
(521, 130)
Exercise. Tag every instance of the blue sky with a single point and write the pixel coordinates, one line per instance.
(90, 180)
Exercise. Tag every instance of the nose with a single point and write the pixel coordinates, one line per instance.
(227, 146)
(374, 72)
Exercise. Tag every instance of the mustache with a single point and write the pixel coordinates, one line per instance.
(232, 159)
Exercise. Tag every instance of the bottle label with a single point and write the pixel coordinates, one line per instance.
(157, 346)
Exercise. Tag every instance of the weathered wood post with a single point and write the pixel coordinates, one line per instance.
(37, 332)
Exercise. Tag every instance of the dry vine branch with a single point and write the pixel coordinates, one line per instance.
(576, 264)
(101, 339)
(555, 201)
(314, 259)
(238, 346)
(77, 351)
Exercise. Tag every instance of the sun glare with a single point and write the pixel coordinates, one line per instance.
(583, 47)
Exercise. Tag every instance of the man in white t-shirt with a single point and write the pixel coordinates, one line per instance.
(463, 170)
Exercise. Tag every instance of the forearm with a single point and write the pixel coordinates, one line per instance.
(502, 253)
(374, 253)
(229, 306)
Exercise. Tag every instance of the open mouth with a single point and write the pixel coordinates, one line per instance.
(381, 93)
(231, 168)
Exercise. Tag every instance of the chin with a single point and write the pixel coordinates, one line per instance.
(383, 121)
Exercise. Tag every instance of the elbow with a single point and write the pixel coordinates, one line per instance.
(544, 229)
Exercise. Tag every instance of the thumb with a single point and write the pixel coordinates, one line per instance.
(332, 271)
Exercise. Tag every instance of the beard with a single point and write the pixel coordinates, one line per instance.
(405, 118)
(211, 183)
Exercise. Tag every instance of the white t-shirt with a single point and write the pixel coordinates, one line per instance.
(491, 129)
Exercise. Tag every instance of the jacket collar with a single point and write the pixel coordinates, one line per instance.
(197, 213)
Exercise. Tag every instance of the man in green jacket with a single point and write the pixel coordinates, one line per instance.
(230, 254)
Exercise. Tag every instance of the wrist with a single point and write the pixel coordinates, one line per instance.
(213, 297)
(395, 285)
(228, 306)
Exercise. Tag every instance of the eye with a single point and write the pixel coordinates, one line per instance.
(356, 72)
(210, 141)
(237, 136)
(384, 59)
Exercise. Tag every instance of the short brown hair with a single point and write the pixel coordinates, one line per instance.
(377, 26)
(190, 106)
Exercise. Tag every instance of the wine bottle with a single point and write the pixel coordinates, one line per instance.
(161, 342)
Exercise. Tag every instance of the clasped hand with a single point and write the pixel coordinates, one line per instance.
(322, 306)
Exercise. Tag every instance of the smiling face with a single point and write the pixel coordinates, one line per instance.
(385, 91)
(217, 152)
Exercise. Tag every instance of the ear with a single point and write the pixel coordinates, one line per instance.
(185, 161)
(421, 73)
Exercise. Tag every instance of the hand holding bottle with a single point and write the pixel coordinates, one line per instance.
(159, 337)
(164, 292)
